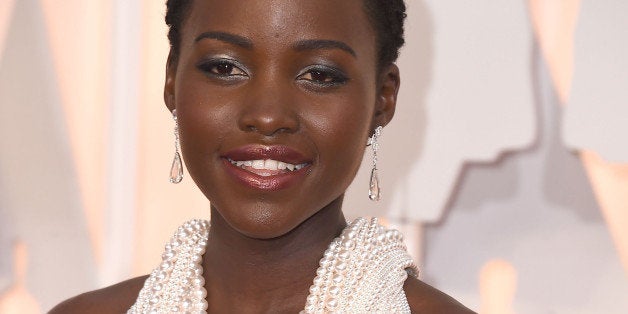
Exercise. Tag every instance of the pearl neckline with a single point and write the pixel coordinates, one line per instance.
(362, 270)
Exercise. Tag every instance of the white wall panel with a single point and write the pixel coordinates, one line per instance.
(597, 116)
(465, 95)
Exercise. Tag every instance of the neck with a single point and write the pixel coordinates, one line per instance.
(267, 273)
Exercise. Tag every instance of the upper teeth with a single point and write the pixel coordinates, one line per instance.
(268, 164)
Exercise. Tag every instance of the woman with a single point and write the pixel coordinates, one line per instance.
(274, 102)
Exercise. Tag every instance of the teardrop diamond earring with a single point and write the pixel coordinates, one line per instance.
(176, 171)
(375, 193)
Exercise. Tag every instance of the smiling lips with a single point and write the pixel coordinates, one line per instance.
(266, 167)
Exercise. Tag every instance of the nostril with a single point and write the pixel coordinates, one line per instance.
(252, 128)
(284, 130)
(268, 120)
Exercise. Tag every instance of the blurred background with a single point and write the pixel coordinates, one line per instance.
(506, 166)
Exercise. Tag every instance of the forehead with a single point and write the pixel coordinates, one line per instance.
(283, 21)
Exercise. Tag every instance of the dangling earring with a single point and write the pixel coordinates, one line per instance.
(176, 171)
(375, 193)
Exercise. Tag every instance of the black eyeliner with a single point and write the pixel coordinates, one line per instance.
(206, 64)
(338, 76)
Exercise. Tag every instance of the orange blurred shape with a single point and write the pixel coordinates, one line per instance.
(17, 300)
(82, 67)
(6, 8)
(498, 284)
(610, 185)
(554, 23)
(161, 206)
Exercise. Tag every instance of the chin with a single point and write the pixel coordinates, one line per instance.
(264, 223)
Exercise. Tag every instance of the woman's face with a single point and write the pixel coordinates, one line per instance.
(275, 101)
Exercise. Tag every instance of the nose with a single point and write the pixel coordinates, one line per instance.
(269, 110)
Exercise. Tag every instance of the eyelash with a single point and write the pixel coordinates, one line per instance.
(331, 77)
(210, 67)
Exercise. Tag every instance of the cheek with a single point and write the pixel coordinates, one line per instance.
(205, 119)
(342, 130)
(207, 111)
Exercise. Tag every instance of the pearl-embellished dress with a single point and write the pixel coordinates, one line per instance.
(362, 271)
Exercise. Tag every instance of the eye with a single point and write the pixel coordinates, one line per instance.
(323, 76)
(222, 68)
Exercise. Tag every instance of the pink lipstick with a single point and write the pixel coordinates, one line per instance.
(268, 168)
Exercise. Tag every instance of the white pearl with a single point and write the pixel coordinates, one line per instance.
(320, 272)
(334, 290)
(341, 265)
(198, 281)
(326, 261)
(154, 300)
(311, 299)
(186, 282)
(157, 287)
(203, 305)
(314, 289)
(189, 273)
(318, 281)
(381, 237)
(183, 233)
(331, 303)
(349, 244)
(352, 234)
(196, 259)
(199, 250)
(167, 255)
(344, 254)
(359, 273)
(200, 293)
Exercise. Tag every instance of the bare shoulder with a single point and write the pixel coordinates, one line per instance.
(113, 299)
(424, 298)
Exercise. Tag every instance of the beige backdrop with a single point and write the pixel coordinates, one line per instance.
(509, 181)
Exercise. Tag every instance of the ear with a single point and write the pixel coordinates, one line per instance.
(171, 70)
(388, 85)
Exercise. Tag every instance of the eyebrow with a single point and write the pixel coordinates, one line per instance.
(313, 44)
(309, 44)
(226, 37)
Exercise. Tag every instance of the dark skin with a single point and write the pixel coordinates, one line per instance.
(279, 72)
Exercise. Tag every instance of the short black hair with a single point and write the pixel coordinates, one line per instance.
(386, 16)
